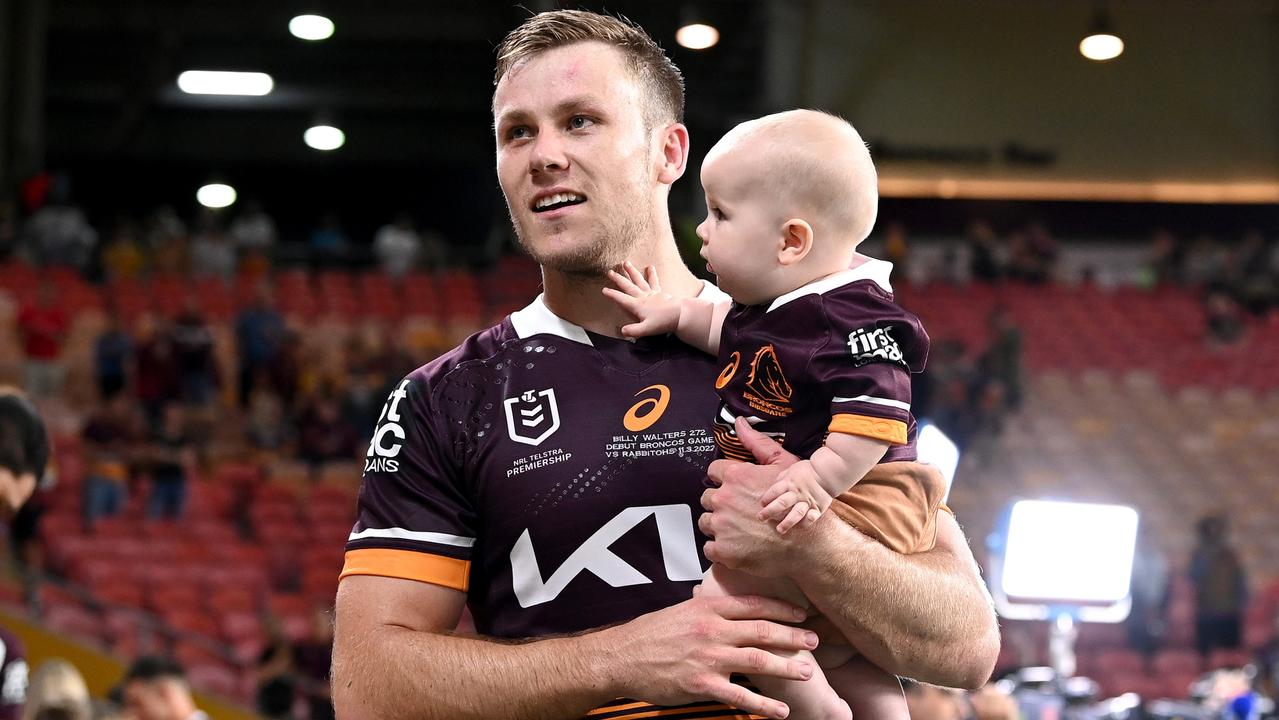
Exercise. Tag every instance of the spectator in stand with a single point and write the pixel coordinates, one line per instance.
(193, 353)
(43, 328)
(362, 401)
(1223, 319)
(1220, 587)
(259, 334)
(1164, 262)
(1205, 262)
(328, 243)
(167, 242)
(897, 251)
(398, 246)
(155, 366)
(109, 438)
(254, 235)
(212, 254)
(1252, 283)
(324, 434)
(112, 357)
(58, 691)
(157, 689)
(277, 680)
(59, 234)
(985, 252)
(172, 459)
(1002, 359)
(992, 703)
(312, 658)
(1044, 251)
(123, 257)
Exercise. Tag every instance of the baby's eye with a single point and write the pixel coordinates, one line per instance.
(719, 215)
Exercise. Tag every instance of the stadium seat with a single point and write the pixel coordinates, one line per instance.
(1177, 662)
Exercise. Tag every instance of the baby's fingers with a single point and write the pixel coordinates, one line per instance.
(650, 276)
(793, 518)
(636, 276)
(778, 509)
(628, 303)
(624, 283)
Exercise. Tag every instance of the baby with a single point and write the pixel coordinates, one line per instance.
(815, 354)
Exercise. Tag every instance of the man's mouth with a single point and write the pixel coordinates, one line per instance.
(556, 201)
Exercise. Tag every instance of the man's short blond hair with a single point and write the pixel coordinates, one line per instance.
(660, 80)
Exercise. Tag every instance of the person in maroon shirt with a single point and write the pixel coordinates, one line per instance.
(547, 472)
(43, 327)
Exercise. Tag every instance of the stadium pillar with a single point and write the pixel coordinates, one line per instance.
(24, 26)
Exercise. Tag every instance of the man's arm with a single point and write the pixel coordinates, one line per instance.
(394, 656)
(926, 615)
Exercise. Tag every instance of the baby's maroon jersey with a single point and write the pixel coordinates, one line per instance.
(833, 356)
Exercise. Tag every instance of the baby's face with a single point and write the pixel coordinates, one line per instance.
(741, 235)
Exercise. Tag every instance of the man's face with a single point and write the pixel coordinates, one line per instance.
(148, 701)
(574, 159)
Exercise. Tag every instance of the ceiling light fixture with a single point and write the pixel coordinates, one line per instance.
(215, 195)
(695, 32)
(1101, 43)
(311, 27)
(324, 137)
(219, 82)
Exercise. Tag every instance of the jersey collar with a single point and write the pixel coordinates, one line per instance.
(537, 319)
(877, 271)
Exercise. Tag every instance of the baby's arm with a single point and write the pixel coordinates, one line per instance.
(804, 490)
(694, 320)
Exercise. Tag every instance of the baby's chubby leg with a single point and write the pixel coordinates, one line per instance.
(811, 699)
(872, 693)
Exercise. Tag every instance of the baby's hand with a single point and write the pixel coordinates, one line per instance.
(641, 295)
(796, 497)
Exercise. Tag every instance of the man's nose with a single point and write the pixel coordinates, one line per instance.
(548, 153)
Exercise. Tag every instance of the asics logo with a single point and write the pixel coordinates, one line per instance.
(644, 413)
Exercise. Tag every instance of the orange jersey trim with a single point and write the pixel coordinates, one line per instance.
(408, 565)
(893, 431)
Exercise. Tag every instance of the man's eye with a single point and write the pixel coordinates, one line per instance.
(519, 132)
(578, 122)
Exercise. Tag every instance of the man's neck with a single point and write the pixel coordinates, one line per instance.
(579, 300)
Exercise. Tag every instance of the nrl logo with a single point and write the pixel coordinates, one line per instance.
(532, 417)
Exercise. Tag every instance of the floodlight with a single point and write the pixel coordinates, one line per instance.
(1101, 43)
(1068, 553)
(697, 36)
(215, 195)
(934, 448)
(220, 82)
(311, 27)
(324, 137)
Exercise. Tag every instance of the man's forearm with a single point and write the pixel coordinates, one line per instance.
(925, 616)
(394, 672)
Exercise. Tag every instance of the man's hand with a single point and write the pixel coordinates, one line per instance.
(686, 653)
(739, 539)
(797, 496)
(640, 294)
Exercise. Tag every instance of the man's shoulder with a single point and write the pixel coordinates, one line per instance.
(476, 349)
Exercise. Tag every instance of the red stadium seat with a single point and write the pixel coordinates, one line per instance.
(1177, 662)
(218, 679)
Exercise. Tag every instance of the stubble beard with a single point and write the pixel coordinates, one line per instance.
(606, 248)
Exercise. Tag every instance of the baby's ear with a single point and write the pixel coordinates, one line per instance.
(796, 241)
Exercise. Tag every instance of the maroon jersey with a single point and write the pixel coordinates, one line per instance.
(833, 356)
(551, 474)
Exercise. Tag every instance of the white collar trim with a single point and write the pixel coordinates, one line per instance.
(877, 271)
(537, 319)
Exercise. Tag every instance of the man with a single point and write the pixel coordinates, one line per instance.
(156, 688)
(546, 472)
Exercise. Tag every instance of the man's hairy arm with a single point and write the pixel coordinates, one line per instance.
(925, 615)
(394, 656)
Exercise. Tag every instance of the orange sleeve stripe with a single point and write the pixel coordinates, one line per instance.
(408, 565)
(893, 431)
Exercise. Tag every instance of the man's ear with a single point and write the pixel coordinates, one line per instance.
(674, 159)
(796, 241)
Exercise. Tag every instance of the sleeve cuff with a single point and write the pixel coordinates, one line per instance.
(891, 431)
(408, 565)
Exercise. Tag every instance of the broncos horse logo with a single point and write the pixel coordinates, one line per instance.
(766, 379)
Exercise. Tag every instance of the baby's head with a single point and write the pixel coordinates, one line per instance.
(788, 196)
